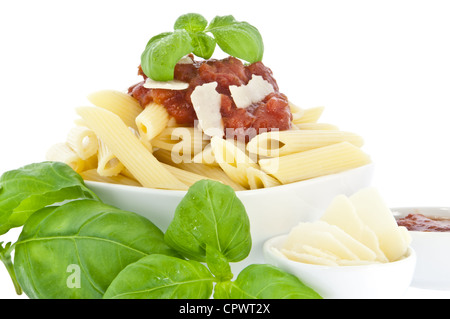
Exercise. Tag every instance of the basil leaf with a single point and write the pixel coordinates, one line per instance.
(203, 45)
(32, 187)
(191, 22)
(218, 264)
(261, 281)
(76, 250)
(194, 23)
(239, 39)
(210, 214)
(162, 53)
(163, 277)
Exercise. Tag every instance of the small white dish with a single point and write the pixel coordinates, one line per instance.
(374, 281)
(432, 249)
(272, 211)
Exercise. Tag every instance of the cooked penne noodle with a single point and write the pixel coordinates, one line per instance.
(144, 141)
(108, 163)
(259, 179)
(280, 143)
(209, 171)
(206, 156)
(121, 104)
(128, 149)
(232, 159)
(83, 141)
(316, 126)
(173, 122)
(310, 115)
(187, 177)
(61, 152)
(152, 121)
(80, 122)
(297, 112)
(184, 141)
(92, 175)
(317, 162)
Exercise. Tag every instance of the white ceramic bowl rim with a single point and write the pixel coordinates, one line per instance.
(242, 192)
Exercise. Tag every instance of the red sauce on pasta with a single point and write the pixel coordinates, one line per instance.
(271, 113)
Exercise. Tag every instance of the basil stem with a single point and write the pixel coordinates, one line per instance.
(5, 257)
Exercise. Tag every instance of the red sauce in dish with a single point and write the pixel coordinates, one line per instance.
(271, 113)
(419, 222)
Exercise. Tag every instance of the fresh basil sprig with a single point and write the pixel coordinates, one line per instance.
(210, 224)
(190, 35)
(32, 187)
(80, 247)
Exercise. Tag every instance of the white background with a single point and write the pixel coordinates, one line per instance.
(380, 68)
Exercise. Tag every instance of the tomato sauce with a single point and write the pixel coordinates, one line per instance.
(419, 222)
(272, 113)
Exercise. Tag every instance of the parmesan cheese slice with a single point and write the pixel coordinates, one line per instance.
(167, 85)
(206, 102)
(256, 90)
(342, 213)
(378, 217)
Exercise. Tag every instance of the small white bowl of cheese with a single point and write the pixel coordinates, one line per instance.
(355, 250)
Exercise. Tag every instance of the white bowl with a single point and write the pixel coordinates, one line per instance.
(272, 211)
(432, 249)
(375, 281)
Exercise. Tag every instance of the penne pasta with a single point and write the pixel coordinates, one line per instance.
(61, 152)
(128, 149)
(232, 159)
(310, 115)
(108, 163)
(80, 122)
(259, 179)
(206, 156)
(83, 141)
(121, 104)
(280, 143)
(184, 142)
(296, 111)
(92, 175)
(187, 177)
(209, 171)
(321, 161)
(316, 126)
(152, 121)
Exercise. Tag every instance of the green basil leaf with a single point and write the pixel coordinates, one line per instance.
(32, 187)
(218, 264)
(239, 39)
(162, 53)
(203, 45)
(76, 250)
(162, 277)
(261, 281)
(191, 22)
(210, 214)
